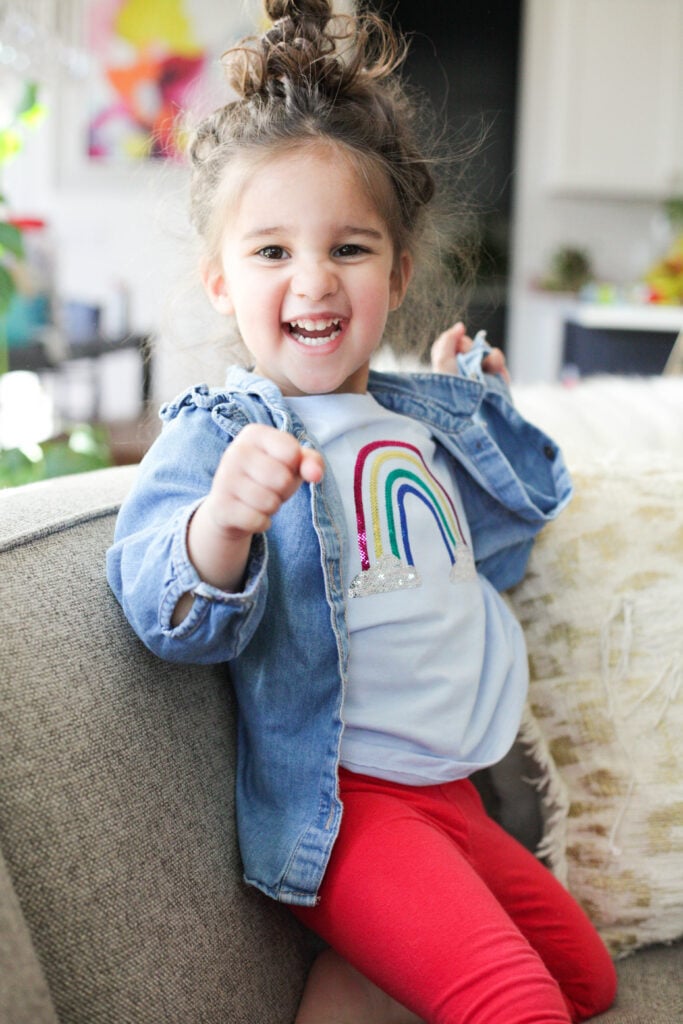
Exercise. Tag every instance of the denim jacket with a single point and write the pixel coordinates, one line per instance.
(285, 636)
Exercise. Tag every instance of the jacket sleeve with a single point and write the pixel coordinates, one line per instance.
(148, 566)
(532, 484)
(532, 490)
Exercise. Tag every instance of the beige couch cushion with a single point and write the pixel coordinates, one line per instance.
(609, 417)
(602, 609)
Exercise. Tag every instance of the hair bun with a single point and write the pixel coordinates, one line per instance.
(299, 11)
(310, 46)
(299, 47)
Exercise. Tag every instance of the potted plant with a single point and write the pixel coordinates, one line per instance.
(83, 447)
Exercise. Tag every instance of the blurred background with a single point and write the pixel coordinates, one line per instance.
(573, 110)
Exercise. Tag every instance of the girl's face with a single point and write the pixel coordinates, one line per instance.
(308, 268)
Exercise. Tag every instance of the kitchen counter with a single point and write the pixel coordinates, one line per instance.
(627, 317)
(619, 338)
(597, 336)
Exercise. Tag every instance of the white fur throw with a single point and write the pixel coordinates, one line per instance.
(609, 418)
(602, 609)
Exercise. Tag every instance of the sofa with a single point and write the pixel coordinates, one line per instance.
(121, 899)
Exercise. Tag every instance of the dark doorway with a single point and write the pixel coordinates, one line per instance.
(465, 56)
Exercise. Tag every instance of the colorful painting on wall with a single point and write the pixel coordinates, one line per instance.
(154, 60)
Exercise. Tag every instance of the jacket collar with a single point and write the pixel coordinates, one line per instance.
(442, 400)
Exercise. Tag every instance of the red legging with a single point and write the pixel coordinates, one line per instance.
(444, 911)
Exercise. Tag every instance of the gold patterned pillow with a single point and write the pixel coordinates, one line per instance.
(602, 609)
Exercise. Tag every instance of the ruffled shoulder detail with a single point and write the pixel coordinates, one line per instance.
(201, 396)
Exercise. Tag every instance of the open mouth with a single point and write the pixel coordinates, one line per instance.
(314, 333)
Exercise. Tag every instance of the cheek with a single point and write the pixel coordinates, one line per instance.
(258, 306)
(251, 292)
(375, 299)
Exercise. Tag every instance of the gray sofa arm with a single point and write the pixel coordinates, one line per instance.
(24, 995)
(116, 800)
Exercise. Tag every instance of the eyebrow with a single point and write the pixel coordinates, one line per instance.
(346, 229)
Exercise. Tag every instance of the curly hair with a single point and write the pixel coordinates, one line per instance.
(315, 77)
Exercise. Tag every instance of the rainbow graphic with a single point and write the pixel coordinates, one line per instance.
(385, 475)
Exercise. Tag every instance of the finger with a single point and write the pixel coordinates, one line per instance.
(447, 346)
(268, 492)
(250, 477)
(284, 452)
(272, 465)
(495, 363)
(257, 500)
(262, 498)
(443, 353)
(312, 466)
(270, 472)
(276, 444)
(266, 455)
(300, 463)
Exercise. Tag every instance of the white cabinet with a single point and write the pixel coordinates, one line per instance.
(615, 110)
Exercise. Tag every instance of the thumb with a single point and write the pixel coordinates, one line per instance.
(312, 466)
(446, 348)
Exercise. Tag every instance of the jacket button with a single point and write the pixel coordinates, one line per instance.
(549, 451)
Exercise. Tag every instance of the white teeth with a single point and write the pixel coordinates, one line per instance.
(312, 325)
(315, 342)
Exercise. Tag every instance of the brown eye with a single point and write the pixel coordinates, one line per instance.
(349, 250)
(272, 252)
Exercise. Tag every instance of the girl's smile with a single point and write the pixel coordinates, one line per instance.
(309, 270)
(315, 332)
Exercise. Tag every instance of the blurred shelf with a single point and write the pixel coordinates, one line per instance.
(628, 317)
(38, 356)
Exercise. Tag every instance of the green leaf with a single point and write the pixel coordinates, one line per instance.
(31, 111)
(87, 453)
(84, 449)
(11, 239)
(17, 468)
(29, 99)
(7, 289)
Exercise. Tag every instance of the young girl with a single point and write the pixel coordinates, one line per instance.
(338, 536)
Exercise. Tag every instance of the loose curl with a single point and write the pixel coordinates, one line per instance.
(316, 77)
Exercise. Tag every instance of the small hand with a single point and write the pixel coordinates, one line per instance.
(454, 341)
(261, 469)
(258, 472)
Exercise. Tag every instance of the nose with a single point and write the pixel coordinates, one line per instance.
(314, 279)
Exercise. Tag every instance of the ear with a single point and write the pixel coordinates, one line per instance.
(216, 288)
(400, 279)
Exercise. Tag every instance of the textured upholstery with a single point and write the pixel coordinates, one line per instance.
(116, 800)
(121, 900)
(650, 988)
(24, 995)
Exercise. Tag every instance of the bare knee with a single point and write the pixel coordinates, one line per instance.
(336, 993)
